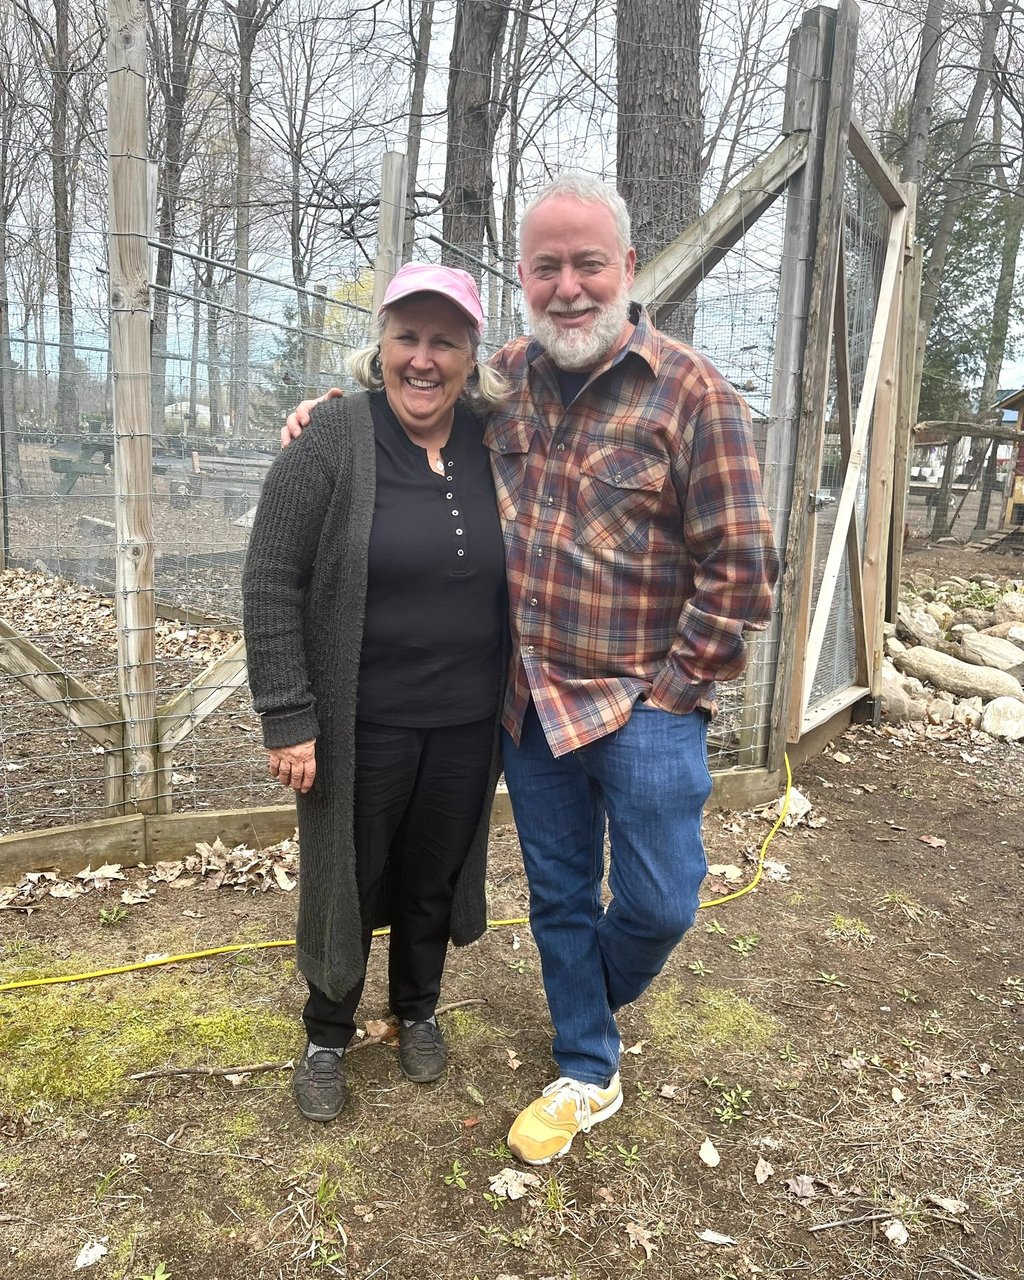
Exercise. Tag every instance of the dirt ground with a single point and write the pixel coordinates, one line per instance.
(849, 1037)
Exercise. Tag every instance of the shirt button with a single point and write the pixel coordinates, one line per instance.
(551, 502)
(533, 600)
(540, 553)
(529, 648)
(618, 478)
(461, 552)
(449, 496)
(458, 530)
(561, 448)
(455, 511)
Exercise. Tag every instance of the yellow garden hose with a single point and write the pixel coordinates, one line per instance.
(491, 924)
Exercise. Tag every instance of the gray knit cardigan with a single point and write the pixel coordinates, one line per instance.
(304, 591)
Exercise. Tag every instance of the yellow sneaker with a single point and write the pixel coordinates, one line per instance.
(545, 1129)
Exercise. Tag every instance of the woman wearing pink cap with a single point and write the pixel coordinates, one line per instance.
(375, 629)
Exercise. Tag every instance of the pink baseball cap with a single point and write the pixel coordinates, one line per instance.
(457, 286)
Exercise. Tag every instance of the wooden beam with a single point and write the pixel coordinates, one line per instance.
(908, 397)
(72, 848)
(883, 178)
(20, 658)
(128, 255)
(390, 224)
(191, 705)
(880, 482)
(946, 431)
(815, 360)
(681, 266)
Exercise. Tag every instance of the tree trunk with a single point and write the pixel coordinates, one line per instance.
(479, 30)
(174, 51)
(954, 189)
(660, 123)
(67, 389)
(919, 124)
(421, 55)
(10, 466)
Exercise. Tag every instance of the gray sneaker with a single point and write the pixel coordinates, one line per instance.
(421, 1052)
(319, 1085)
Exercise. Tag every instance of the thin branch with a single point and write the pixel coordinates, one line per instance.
(851, 1222)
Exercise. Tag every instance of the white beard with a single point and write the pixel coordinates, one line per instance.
(575, 349)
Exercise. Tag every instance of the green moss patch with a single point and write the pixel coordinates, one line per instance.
(75, 1046)
(711, 1017)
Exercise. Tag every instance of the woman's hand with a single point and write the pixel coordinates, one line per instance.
(299, 416)
(295, 767)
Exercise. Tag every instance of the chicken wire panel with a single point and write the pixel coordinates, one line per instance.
(866, 231)
(58, 534)
(731, 319)
(234, 367)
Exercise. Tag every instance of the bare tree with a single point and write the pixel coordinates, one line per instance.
(176, 32)
(479, 31)
(248, 18)
(660, 118)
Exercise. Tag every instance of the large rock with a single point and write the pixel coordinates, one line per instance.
(990, 651)
(1004, 718)
(978, 618)
(912, 623)
(954, 676)
(1010, 607)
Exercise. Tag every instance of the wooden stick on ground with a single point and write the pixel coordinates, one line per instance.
(851, 1222)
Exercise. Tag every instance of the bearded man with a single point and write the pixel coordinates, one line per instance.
(638, 552)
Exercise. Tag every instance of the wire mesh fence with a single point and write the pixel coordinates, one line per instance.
(230, 353)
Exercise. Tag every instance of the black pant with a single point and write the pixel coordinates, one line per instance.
(419, 794)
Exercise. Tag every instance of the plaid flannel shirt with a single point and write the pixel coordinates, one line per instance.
(637, 543)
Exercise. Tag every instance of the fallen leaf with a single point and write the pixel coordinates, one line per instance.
(840, 757)
(762, 1171)
(636, 1049)
(513, 1183)
(284, 880)
(714, 1237)
(668, 1091)
(513, 1061)
(606, 1194)
(639, 1236)
(898, 1095)
(933, 842)
(802, 1186)
(726, 870)
(947, 1203)
(709, 1153)
(380, 1029)
(470, 1122)
(90, 1254)
(896, 1232)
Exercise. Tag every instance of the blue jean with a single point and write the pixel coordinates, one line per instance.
(649, 780)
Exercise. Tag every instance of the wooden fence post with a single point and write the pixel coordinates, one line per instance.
(813, 375)
(807, 98)
(390, 224)
(128, 252)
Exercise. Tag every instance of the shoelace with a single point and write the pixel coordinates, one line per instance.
(322, 1067)
(576, 1093)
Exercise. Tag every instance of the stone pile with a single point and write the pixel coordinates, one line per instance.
(956, 654)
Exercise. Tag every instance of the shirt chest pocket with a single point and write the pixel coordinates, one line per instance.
(620, 492)
(508, 443)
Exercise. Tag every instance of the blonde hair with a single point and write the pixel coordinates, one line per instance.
(486, 391)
